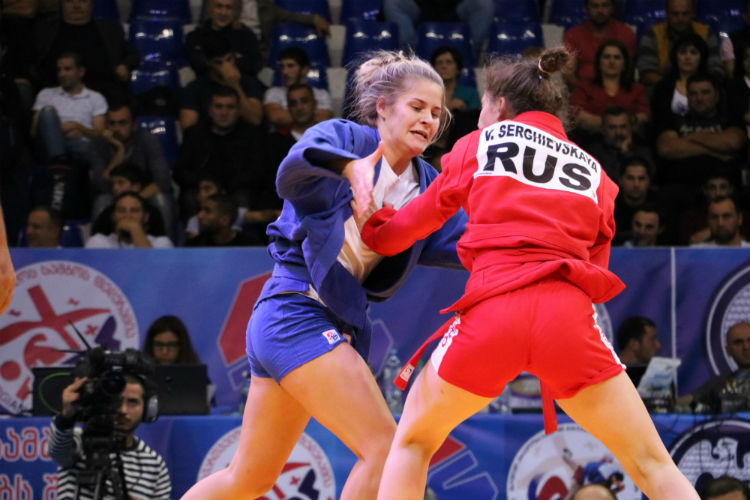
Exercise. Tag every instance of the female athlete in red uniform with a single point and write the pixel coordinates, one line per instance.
(537, 246)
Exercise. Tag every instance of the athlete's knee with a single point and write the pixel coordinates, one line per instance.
(253, 479)
(374, 448)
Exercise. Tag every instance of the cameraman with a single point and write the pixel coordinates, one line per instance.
(144, 471)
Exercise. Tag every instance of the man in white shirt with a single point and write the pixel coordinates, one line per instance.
(130, 218)
(67, 117)
(294, 63)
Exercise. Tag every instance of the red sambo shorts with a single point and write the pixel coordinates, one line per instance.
(547, 328)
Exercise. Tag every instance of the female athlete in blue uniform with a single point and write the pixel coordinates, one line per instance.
(309, 334)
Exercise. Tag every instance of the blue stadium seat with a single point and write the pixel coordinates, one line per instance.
(158, 41)
(148, 76)
(517, 10)
(319, 7)
(644, 12)
(72, 236)
(723, 16)
(106, 9)
(165, 129)
(725, 24)
(567, 13)
(514, 37)
(175, 10)
(366, 10)
(707, 9)
(433, 35)
(363, 36)
(292, 34)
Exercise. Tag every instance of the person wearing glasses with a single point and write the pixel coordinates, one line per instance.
(168, 342)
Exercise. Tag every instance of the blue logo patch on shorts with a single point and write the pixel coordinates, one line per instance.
(332, 336)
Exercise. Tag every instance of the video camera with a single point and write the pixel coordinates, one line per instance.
(100, 396)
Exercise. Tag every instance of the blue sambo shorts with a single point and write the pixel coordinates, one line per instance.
(288, 330)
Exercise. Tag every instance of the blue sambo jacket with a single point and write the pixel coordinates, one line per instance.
(308, 235)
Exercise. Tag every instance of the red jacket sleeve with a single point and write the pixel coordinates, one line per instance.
(599, 252)
(389, 232)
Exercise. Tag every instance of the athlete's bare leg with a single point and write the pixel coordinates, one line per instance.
(433, 409)
(271, 425)
(339, 391)
(612, 412)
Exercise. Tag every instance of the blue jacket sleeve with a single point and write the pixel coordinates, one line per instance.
(305, 176)
(440, 250)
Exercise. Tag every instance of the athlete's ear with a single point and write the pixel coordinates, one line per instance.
(504, 110)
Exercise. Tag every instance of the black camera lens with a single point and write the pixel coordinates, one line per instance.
(112, 384)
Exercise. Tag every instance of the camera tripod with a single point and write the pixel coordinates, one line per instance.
(103, 464)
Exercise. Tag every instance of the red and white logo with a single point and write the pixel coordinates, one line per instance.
(332, 336)
(307, 475)
(48, 297)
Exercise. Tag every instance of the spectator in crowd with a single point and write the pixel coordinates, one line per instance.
(262, 15)
(594, 491)
(17, 20)
(449, 63)
(226, 147)
(216, 218)
(618, 143)
(252, 222)
(168, 342)
(724, 223)
(300, 98)
(694, 219)
(584, 39)
(612, 85)
(462, 100)
(127, 177)
(691, 145)
(131, 230)
(106, 54)
(407, 14)
(293, 65)
(44, 227)
(14, 145)
(646, 227)
(688, 56)
(222, 72)
(144, 471)
(635, 192)
(725, 488)
(656, 42)
(637, 341)
(123, 141)
(67, 117)
(707, 398)
(223, 17)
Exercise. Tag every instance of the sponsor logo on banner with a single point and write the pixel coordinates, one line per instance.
(307, 475)
(712, 449)
(729, 306)
(48, 297)
(550, 466)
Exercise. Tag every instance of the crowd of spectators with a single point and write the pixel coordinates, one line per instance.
(663, 107)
